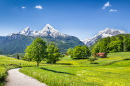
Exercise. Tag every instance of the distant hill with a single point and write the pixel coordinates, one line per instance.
(17, 42)
(103, 34)
(118, 43)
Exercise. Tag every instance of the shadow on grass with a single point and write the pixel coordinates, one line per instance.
(63, 64)
(56, 71)
(79, 58)
(59, 63)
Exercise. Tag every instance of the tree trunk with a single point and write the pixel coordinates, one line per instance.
(37, 64)
(51, 63)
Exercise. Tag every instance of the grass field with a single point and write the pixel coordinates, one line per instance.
(7, 63)
(69, 72)
(74, 72)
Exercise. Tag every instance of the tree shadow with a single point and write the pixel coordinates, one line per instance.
(56, 71)
(79, 58)
(63, 64)
(59, 63)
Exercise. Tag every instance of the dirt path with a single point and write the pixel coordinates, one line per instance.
(15, 78)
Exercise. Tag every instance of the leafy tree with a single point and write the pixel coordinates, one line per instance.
(56, 54)
(91, 60)
(53, 53)
(17, 56)
(85, 52)
(125, 46)
(120, 46)
(81, 52)
(70, 50)
(37, 50)
(117, 43)
(26, 58)
(77, 51)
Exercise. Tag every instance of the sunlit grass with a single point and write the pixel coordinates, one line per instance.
(81, 76)
(7, 63)
(68, 72)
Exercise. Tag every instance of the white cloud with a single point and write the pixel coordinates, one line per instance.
(112, 10)
(38, 7)
(106, 5)
(23, 7)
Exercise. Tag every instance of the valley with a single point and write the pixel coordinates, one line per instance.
(78, 72)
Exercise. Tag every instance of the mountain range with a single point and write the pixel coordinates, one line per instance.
(48, 30)
(17, 42)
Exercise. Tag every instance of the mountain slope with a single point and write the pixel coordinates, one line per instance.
(17, 42)
(102, 34)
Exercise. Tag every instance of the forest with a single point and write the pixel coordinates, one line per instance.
(119, 43)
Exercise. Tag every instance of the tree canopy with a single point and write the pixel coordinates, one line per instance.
(37, 50)
(80, 52)
(53, 53)
(112, 44)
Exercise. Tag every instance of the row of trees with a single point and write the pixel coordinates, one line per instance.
(38, 51)
(79, 52)
(113, 44)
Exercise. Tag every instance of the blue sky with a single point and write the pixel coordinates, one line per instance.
(80, 18)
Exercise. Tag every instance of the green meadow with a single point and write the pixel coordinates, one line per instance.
(7, 63)
(111, 71)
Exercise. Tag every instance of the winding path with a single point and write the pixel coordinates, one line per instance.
(15, 78)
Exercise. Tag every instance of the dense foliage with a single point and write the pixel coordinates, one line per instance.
(18, 43)
(53, 53)
(79, 52)
(112, 44)
(37, 50)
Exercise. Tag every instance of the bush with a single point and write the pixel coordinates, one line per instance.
(126, 59)
(91, 60)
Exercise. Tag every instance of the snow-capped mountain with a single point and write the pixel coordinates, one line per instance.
(48, 30)
(102, 34)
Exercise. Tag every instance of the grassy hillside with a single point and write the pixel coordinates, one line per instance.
(69, 72)
(7, 63)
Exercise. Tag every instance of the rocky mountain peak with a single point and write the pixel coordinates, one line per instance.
(48, 30)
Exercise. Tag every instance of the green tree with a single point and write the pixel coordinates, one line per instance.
(85, 52)
(81, 52)
(17, 56)
(37, 50)
(125, 45)
(91, 60)
(26, 58)
(77, 52)
(53, 53)
(70, 50)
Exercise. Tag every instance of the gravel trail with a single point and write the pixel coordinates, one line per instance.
(15, 78)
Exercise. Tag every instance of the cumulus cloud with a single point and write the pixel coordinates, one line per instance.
(23, 7)
(38, 7)
(112, 10)
(106, 5)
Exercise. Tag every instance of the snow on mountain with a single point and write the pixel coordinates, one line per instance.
(48, 30)
(102, 34)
